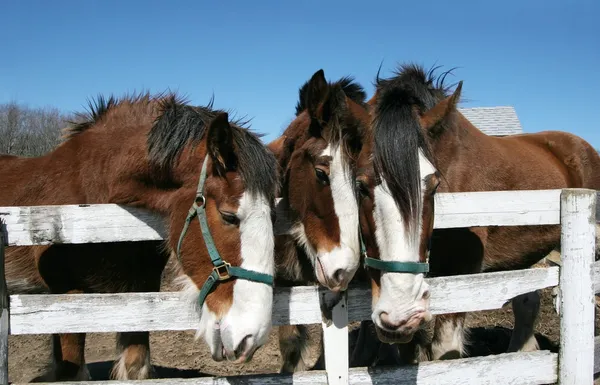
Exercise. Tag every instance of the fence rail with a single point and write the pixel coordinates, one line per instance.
(42, 225)
(44, 314)
(574, 209)
(512, 368)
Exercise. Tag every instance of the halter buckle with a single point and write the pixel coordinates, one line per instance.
(223, 271)
(200, 200)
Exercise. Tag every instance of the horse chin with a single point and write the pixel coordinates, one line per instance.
(393, 338)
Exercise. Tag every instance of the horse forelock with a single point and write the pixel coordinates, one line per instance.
(397, 135)
(347, 126)
(351, 88)
(179, 125)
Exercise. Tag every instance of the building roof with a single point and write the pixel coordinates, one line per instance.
(496, 121)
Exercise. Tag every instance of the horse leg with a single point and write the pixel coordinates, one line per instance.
(366, 346)
(295, 347)
(134, 357)
(133, 348)
(525, 308)
(68, 359)
(449, 337)
(72, 366)
(68, 356)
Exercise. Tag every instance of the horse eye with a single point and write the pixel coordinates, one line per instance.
(322, 176)
(230, 218)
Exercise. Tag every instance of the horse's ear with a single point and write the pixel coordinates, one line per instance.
(322, 101)
(434, 121)
(220, 144)
(282, 148)
(316, 92)
(333, 105)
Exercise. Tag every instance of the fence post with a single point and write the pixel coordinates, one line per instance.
(578, 238)
(4, 324)
(335, 344)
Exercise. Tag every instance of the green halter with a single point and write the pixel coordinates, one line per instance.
(222, 270)
(391, 266)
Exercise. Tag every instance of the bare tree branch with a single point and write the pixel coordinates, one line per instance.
(28, 131)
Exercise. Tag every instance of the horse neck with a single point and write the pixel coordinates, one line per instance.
(460, 143)
(50, 179)
(118, 169)
(96, 167)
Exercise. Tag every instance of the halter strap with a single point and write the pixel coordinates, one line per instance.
(222, 270)
(391, 266)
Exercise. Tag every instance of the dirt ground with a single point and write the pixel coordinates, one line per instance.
(29, 355)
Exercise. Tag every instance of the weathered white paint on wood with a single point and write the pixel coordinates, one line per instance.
(596, 354)
(335, 343)
(497, 208)
(578, 246)
(513, 368)
(4, 314)
(596, 276)
(40, 225)
(33, 314)
(472, 292)
(597, 207)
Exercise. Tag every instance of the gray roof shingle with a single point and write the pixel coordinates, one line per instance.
(496, 121)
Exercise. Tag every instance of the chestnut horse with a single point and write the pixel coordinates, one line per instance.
(422, 140)
(317, 216)
(158, 153)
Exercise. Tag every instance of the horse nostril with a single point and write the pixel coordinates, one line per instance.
(242, 346)
(426, 294)
(338, 276)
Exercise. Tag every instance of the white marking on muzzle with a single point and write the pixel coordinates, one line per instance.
(251, 310)
(344, 257)
(401, 293)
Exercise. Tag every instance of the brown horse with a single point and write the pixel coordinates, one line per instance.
(422, 140)
(317, 217)
(159, 153)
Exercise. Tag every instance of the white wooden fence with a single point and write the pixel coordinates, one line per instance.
(578, 277)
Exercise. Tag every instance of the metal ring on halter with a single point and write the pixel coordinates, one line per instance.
(223, 271)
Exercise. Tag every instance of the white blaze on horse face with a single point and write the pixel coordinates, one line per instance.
(251, 312)
(401, 294)
(248, 320)
(335, 267)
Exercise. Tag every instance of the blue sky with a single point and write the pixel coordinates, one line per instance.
(542, 57)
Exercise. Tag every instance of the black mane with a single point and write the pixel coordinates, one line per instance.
(352, 90)
(97, 109)
(398, 134)
(179, 124)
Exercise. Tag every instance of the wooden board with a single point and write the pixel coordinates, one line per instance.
(4, 314)
(41, 314)
(512, 368)
(41, 225)
(578, 250)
